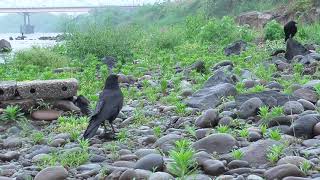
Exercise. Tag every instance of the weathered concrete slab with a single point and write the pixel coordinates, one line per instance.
(7, 90)
(48, 89)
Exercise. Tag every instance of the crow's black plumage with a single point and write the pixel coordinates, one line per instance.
(290, 29)
(108, 107)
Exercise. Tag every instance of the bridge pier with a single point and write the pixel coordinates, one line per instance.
(26, 28)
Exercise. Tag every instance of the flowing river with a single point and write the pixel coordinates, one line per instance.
(31, 40)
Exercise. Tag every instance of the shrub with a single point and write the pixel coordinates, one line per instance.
(310, 33)
(41, 58)
(224, 31)
(273, 31)
(165, 38)
(193, 25)
(100, 42)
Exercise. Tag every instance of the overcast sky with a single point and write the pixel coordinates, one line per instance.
(52, 3)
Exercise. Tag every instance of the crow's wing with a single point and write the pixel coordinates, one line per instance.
(111, 105)
(100, 103)
(108, 107)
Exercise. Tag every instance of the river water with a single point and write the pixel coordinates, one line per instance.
(31, 40)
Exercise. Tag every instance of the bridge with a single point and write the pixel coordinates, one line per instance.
(58, 9)
(27, 28)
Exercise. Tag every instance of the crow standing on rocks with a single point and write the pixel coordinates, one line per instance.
(290, 29)
(108, 107)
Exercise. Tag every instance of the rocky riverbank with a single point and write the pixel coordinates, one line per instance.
(235, 127)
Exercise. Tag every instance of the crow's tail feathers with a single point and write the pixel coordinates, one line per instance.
(91, 129)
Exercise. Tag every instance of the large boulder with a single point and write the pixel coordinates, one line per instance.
(269, 97)
(52, 173)
(255, 19)
(208, 119)
(235, 48)
(307, 94)
(250, 108)
(210, 97)
(293, 107)
(219, 143)
(5, 46)
(303, 127)
(150, 162)
(282, 171)
(218, 86)
(220, 77)
(294, 48)
(256, 153)
(167, 142)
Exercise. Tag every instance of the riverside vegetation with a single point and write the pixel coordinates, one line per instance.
(159, 135)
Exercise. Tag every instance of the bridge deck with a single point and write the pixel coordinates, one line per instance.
(57, 9)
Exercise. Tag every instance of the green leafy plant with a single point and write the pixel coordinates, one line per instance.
(223, 129)
(74, 158)
(72, 125)
(274, 153)
(183, 162)
(305, 167)
(257, 88)
(164, 86)
(123, 135)
(113, 148)
(277, 111)
(37, 137)
(237, 154)
(265, 115)
(181, 109)
(317, 88)
(244, 133)
(191, 130)
(12, 113)
(74, 135)
(264, 112)
(69, 159)
(264, 129)
(275, 134)
(84, 143)
(157, 131)
(240, 87)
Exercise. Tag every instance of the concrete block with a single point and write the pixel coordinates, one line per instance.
(7, 90)
(48, 89)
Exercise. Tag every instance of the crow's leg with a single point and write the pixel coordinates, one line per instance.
(105, 127)
(114, 132)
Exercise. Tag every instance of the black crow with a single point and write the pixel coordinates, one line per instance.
(290, 29)
(84, 104)
(108, 107)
